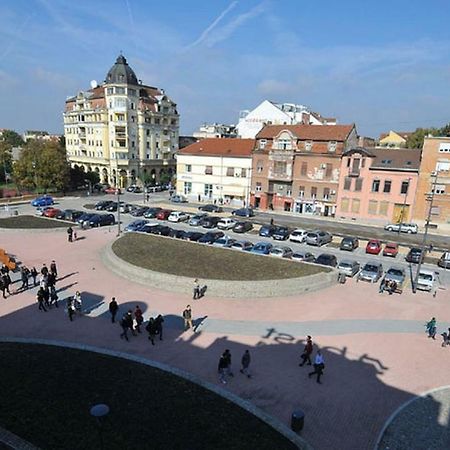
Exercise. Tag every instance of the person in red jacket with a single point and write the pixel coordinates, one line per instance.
(307, 351)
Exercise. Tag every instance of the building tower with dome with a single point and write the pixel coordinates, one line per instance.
(122, 129)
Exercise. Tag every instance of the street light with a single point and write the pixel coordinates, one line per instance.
(98, 411)
(33, 164)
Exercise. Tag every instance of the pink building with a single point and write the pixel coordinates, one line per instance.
(378, 184)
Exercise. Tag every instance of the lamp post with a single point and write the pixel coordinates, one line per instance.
(33, 164)
(89, 186)
(98, 411)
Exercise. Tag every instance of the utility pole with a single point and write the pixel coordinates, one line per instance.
(427, 224)
(118, 196)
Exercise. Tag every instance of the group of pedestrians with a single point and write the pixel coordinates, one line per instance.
(224, 366)
(388, 285)
(319, 362)
(431, 330)
(46, 295)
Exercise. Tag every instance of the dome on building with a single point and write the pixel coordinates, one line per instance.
(121, 72)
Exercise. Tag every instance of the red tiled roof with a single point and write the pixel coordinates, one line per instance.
(309, 132)
(220, 147)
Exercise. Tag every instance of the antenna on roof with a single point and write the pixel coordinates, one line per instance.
(94, 84)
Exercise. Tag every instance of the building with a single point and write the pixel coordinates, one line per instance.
(378, 184)
(296, 167)
(215, 130)
(184, 141)
(269, 113)
(123, 130)
(394, 139)
(216, 170)
(434, 175)
(366, 141)
(41, 135)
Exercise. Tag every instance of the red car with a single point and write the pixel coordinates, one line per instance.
(111, 190)
(163, 214)
(390, 249)
(373, 247)
(51, 212)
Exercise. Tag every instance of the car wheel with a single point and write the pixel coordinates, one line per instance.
(409, 231)
(389, 229)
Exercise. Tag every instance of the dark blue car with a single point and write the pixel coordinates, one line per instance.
(136, 225)
(211, 237)
(267, 230)
(45, 200)
(262, 248)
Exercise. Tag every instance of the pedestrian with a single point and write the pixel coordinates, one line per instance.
(2, 287)
(151, 329)
(445, 339)
(227, 355)
(46, 296)
(77, 302)
(40, 299)
(34, 274)
(196, 290)
(70, 234)
(187, 316)
(6, 281)
(53, 269)
(319, 365)
(245, 362)
(113, 308)
(222, 369)
(127, 324)
(139, 318)
(271, 221)
(431, 328)
(307, 351)
(53, 296)
(75, 237)
(147, 198)
(24, 272)
(382, 286)
(70, 308)
(392, 287)
(159, 326)
(44, 270)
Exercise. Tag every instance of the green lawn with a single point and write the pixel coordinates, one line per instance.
(47, 393)
(194, 260)
(32, 222)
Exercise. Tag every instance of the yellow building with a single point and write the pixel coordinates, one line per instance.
(394, 139)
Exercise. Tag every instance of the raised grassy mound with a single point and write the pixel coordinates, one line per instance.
(31, 222)
(48, 391)
(189, 259)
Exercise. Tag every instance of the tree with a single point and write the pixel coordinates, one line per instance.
(5, 160)
(416, 139)
(11, 138)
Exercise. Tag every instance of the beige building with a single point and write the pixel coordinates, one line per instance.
(394, 139)
(122, 129)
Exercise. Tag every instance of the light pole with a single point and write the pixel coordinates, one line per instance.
(98, 411)
(89, 186)
(33, 164)
(427, 224)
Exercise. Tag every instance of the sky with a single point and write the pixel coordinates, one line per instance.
(380, 64)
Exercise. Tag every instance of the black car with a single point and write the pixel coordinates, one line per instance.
(211, 208)
(193, 235)
(161, 230)
(267, 230)
(179, 234)
(150, 213)
(243, 212)
(84, 217)
(415, 255)
(102, 205)
(113, 206)
(98, 220)
(139, 212)
(210, 237)
(281, 233)
(210, 222)
(326, 260)
(69, 214)
(242, 227)
(349, 243)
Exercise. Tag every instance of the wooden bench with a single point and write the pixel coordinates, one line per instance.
(7, 260)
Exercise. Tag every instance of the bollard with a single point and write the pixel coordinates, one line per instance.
(297, 420)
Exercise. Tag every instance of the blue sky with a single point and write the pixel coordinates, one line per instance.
(381, 64)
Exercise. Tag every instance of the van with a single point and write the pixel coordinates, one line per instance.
(426, 280)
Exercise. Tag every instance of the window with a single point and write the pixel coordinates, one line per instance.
(347, 183)
(187, 187)
(132, 105)
(244, 173)
(132, 156)
(443, 166)
(358, 184)
(284, 144)
(313, 192)
(262, 143)
(230, 171)
(386, 161)
(120, 90)
(258, 187)
(404, 188)
(259, 166)
(344, 204)
(435, 211)
(148, 144)
(332, 146)
(280, 167)
(132, 143)
(355, 205)
(373, 206)
(329, 170)
(438, 189)
(387, 186)
(349, 161)
(110, 91)
(326, 193)
(208, 190)
(148, 155)
(444, 147)
(308, 146)
(131, 91)
(156, 121)
(148, 133)
(188, 168)
(208, 170)
(384, 206)
(301, 191)
(375, 185)
(304, 168)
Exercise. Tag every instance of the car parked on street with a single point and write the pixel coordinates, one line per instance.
(267, 230)
(349, 243)
(102, 205)
(318, 238)
(163, 214)
(226, 223)
(281, 252)
(326, 259)
(410, 228)
(51, 212)
(225, 241)
(415, 255)
(298, 235)
(242, 227)
(84, 217)
(211, 208)
(426, 280)
(210, 237)
(69, 214)
(178, 234)
(281, 233)
(197, 219)
(136, 225)
(210, 222)
(40, 211)
(243, 212)
(160, 230)
(178, 216)
(139, 211)
(303, 256)
(372, 271)
(151, 212)
(178, 199)
(245, 246)
(398, 275)
(113, 206)
(111, 190)
(126, 208)
(262, 248)
(44, 200)
(373, 247)
(348, 267)
(193, 236)
(148, 227)
(390, 249)
(134, 189)
(444, 260)
(99, 220)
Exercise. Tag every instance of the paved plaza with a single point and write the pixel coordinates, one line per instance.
(377, 355)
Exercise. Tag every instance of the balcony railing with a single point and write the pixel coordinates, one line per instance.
(353, 172)
(279, 176)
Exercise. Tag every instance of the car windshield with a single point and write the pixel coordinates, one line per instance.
(345, 264)
(370, 268)
(312, 235)
(395, 272)
(425, 276)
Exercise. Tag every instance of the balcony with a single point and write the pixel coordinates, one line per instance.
(282, 176)
(353, 172)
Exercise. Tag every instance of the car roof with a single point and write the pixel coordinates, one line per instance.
(427, 271)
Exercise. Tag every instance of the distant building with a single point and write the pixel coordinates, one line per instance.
(184, 141)
(365, 141)
(269, 113)
(394, 139)
(215, 130)
(40, 135)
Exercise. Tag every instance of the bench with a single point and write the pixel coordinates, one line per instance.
(7, 260)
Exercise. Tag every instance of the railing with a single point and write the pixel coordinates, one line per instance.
(279, 176)
(353, 172)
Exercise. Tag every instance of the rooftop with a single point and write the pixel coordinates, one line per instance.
(308, 132)
(220, 147)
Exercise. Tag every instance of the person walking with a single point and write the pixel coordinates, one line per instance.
(431, 328)
(159, 326)
(227, 355)
(245, 362)
(138, 316)
(187, 316)
(126, 323)
(151, 329)
(382, 286)
(445, 339)
(70, 308)
(196, 290)
(113, 308)
(222, 369)
(78, 303)
(24, 273)
(40, 299)
(70, 234)
(44, 270)
(319, 365)
(6, 281)
(53, 269)
(34, 274)
(2, 287)
(307, 352)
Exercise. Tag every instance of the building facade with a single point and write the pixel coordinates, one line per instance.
(269, 113)
(123, 130)
(215, 130)
(434, 176)
(41, 135)
(394, 139)
(378, 184)
(216, 170)
(296, 167)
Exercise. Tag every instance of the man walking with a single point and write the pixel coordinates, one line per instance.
(431, 328)
(126, 323)
(138, 316)
(151, 329)
(222, 369)
(70, 308)
(34, 274)
(24, 273)
(187, 316)
(40, 299)
(70, 234)
(196, 290)
(53, 269)
(307, 351)
(159, 326)
(319, 365)
(245, 361)
(113, 308)
(227, 356)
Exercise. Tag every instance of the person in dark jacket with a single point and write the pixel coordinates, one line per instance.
(70, 234)
(24, 273)
(307, 351)
(127, 324)
(245, 362)
(34, 274)
(6, 282)
(227, 355)
(222, 369)
(44, 270)
(53, 269)
(2, 287)
(40, 299)
(113, 308)
(159, 326)
(138, 316)
(151, 329)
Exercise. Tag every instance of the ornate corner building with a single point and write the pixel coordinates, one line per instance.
(122, 129)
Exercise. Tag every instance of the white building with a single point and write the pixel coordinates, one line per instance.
(216, 170)
(269, 113)
(215, 130)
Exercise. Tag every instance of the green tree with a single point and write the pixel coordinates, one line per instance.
(445, 130)
(5, 160)
(12, 138)
(416, 139)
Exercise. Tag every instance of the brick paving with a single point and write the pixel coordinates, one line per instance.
(376, 353)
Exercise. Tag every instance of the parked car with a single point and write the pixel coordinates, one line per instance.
(426, 280)
(444, 260)
(45, 200)
(139, 211)
(163, 214)
(211, 208)
(149, 227)
(396, 274)
(136, 225)
(226, 223)
(178, 216)
(348, 267)
(102, 205)
(281, 252)
(161, 230)
(242, 245)
(210, 222)
(267, 230)
(390, 249)
(84, 217)
(178, 199)
(415, 255)
(151, 213)
(242, 227)
(281, 233)
(197, 219)
(178, 234)
(373, 247)
(134, 189)
(40, 211)
(349, 244)
(193, 236)
(127, 208)
(318, 238)
(303, 256)
(243, 212)
(298, 235)
(111, 190)
(372, 271)
(51, 212)
(225, 241)
(410, 228)
(98, 220)
(211, 236)
(69, 214)
(262, 248)
(113, 206)
(326, 259)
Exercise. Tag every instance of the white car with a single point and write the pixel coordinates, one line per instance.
(298, 235)
(178, 216)
(426, 280)
(410, 228)
(226, 224)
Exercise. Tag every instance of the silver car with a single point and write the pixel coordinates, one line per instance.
(372, 271)
(396, 274)
(318, 238)
(281, 252)
(348, 267)
(197, 219)
(410, 228)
